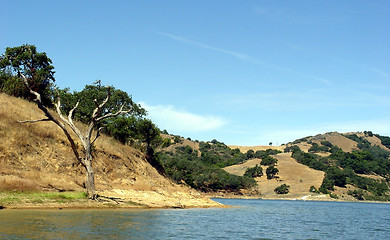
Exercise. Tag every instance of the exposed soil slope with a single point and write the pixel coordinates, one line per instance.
(37, 156)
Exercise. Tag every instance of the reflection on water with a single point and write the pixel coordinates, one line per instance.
(254, 219)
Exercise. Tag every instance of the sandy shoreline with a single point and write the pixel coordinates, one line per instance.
(95, 205)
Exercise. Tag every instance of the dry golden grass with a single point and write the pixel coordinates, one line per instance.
(37, 156)
(244, 149)
(299, 177)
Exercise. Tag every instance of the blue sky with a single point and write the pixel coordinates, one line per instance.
(241, 72)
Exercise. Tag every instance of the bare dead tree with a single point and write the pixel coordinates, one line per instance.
(86, 139)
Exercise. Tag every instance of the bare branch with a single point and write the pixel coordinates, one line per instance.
(34, 121)
(114, 114)
(99, 107)
(70, 115)
(97, 135)
(68, 121)
(37, 95)
(51, 118)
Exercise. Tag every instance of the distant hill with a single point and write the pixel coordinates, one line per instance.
(38, 157)
(320, 167)
(361, 157)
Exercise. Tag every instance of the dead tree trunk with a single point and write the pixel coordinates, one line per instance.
(86, 139)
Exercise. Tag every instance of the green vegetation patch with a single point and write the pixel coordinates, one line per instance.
(204, 171)
(282, 189)
(256, 171)
(9, 197)
(342, 168)
(268, 160)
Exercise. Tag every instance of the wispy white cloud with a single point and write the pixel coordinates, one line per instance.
(242, 56)
(323, 99)
(180, 122)
(238, 55)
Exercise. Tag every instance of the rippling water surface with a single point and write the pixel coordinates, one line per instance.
(251, 219)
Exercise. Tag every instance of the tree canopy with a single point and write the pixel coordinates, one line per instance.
(35, 66)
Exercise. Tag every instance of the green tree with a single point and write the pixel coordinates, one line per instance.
(97, 93)
(250, 154)
(271, 172)
(124, 129)
(86, 138)
(35, 66)
(256, 171)
(337, 175)
(268, 160)
(282, 189)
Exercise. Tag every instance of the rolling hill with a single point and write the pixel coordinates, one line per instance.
(301, 177)
(38, 157)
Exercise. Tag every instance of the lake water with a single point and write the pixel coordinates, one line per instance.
(251, 219)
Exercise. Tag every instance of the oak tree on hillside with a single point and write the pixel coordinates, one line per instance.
(87, 139)
(34, 65)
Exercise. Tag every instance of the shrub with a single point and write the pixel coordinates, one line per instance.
(327, 143)
(358, 194)
(268, 160)
(282, 189)
(368, 134)
(314, 189)
(292, 148)
(326, 185)
(166, 142)
(384, 140)
(271, 172)
(250, 154)
(314, 148)
(178, 139)
(317, 148)
(333, 195)
(256, 171)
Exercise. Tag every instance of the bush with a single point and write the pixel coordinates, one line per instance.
(166, 142)
(178, 139)
(282, 189)
(327, 143)
(317, 148)
(314, 189)
(384, 140)
(332, 195)
(368, 134)
(358, 194)
(204, 172)
(271, 172)
(326, 185)
(292, 148)
(314, 148)
(256, 171)
(250, 154)
(268, 160)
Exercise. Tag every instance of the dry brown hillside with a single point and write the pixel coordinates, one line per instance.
(37, 156)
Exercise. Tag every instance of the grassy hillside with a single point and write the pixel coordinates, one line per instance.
(327, 166)
(37, 157)
(356, 164)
